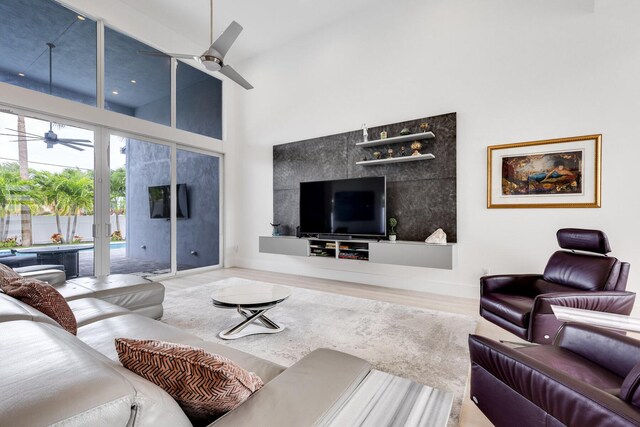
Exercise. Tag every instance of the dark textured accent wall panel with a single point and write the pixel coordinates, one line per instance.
(312, 160)
(421, 194)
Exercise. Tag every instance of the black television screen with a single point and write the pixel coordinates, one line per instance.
(160, 201)
(355, 207)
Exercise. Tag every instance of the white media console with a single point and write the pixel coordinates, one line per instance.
(416, 254)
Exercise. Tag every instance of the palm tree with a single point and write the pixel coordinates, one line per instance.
(75, 191)
(13, 192)
(118, 193)
(23, 161)
(47, 184)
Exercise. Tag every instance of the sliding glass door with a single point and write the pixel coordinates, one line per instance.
(46, 194)
(156, 208)
(198, 210)
(145, 214)
(140, 211)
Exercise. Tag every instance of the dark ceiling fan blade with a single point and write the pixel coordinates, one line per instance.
(21, 136)
(27, 139)
(164, 55)
(227, 38)
(74, 142)
(70, 145)
(23, 133)
(233, 75)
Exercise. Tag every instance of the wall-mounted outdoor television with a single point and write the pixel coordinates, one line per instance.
(354, 207)
(160, 201)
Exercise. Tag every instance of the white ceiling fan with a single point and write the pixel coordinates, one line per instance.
(213, 57)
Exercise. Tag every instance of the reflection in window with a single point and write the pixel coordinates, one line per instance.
(26, 26)
(137, 78)
(198, 102)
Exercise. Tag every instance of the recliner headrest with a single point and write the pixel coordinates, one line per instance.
(583, 240)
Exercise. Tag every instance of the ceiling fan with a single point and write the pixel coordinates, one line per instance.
(213, 57)
(50, 137)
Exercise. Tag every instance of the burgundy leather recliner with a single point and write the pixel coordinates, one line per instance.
(521, 303)
(588, 377)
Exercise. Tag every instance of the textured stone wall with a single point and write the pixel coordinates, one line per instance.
(420, 194)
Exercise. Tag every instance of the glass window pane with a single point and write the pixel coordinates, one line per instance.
(136, 83)
(141, 229)
(198, 102)
(198, 239)
(26, 26)
(47, 195)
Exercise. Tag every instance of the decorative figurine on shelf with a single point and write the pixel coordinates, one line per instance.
(365, 133)
(416, 146)
(438, 237)
(392, 234)
(402, 153)
(383, 134)
(377, 155)
(424, 127)
(276, 229)
(389, 153)
(405, 131)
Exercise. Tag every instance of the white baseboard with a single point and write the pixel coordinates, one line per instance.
(409, 278)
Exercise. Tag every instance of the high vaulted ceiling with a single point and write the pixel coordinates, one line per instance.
(267, 23)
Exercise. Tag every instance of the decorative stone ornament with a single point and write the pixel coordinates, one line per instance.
(437, 237)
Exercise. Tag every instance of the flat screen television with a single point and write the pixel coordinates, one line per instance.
(160, 201)
(354, 207)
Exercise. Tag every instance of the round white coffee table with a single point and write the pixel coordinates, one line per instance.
(252, 301)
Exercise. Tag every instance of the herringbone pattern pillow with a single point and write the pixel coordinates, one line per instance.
(44, 298)
(6, 274)
(204, 384)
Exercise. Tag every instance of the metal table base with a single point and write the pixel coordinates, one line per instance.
(250, 325)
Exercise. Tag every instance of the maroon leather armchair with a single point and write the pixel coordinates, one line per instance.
(587, 279)
(588, 377)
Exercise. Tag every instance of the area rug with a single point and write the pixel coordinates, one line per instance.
(427, 346)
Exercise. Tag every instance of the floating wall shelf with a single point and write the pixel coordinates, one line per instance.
(397, 139)
(396, 160)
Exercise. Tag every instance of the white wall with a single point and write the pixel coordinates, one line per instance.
(513, 70)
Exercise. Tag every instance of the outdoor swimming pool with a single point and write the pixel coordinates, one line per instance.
(112, 246)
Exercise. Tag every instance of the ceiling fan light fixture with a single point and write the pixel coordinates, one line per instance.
(210, 62)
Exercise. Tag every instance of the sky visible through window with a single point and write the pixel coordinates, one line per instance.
(59, 157)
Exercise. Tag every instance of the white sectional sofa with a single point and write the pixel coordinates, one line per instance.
(51, 377)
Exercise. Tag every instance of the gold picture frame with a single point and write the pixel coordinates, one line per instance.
(554, 173)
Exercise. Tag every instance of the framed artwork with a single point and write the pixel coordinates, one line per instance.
(556, 173)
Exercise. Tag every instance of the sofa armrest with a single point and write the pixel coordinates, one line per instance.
(609, 349)
(52, 276)
(570, 401)
(508, 283)
(302, 394)
(619, 302)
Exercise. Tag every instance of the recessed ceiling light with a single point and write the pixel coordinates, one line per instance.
(115, 92)
(134, 82)
(82, 18)
(21, 74)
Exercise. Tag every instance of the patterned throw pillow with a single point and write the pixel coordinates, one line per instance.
(6, 274)
(204, 384)
(44, 298)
